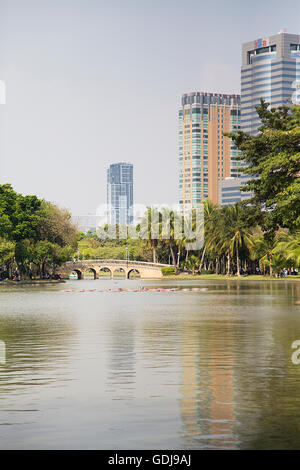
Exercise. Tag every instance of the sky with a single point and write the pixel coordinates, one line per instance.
(89, 83)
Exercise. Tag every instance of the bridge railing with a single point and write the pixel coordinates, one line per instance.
(115, 261)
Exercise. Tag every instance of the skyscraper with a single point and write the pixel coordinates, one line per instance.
(205, 155)
(229, 190)
(120, 193)
(270, 68)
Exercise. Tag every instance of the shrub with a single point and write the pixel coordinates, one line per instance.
(167, 270)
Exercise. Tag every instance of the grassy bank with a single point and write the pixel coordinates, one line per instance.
(200, 277)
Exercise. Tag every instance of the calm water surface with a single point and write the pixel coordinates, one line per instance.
(203, 370)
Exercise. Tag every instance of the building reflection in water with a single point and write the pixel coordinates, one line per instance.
(237, 374)
(207, 404)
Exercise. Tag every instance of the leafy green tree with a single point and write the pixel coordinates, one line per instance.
(7, 254)
(273, 160)
(60, 255)
(32, 230)
(55, 225)
(24, 255)
(8, 199)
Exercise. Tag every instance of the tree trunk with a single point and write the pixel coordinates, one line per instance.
(154, 254)
(217, 265)
(228, 263)
(173, 259)
(238, 269)
(202, 258)
(178, 258)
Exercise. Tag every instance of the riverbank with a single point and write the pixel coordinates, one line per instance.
(33, 281)
(230, 278)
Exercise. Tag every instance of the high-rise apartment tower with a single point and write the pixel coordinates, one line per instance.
(206, 156)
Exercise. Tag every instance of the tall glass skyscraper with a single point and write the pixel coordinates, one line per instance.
(120, 193)
(205, 155)
(270, 69)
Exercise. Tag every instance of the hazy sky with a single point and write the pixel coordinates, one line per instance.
(90, 83)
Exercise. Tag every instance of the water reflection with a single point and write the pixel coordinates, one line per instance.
(121, 375)
(207, 404)
(35, 348)
(238, 379)
(205, 370)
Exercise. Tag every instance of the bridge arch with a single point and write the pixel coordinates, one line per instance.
(107, 270)
(131, 271)
(119, 272)
(79, 274)
(91, 270)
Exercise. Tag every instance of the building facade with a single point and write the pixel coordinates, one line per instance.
(206, 156)
(120, 193)
(230, 193)
(270, 69)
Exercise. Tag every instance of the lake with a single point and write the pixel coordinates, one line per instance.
(207, 369)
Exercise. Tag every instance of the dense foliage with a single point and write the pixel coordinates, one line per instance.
(35, 236)
(272, 159)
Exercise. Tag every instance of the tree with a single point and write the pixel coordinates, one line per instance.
(167, 232)
(263, 249)
(192, 263)
(8, 199)
(272, 158)
(211, 234)
(32, 231)
(7, 253)
(289, 246)
(56, 226)
(235, 232)
(149, 229)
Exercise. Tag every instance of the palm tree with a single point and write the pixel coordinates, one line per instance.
(149, 229)
(289, 246)
(234, 232)
(263, 249)
(210, 216)
(180, 246)
(192, 263)
(167, 232)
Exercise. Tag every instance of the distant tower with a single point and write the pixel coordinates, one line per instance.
(120, 193)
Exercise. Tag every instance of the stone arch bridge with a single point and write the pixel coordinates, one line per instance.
(146, 270)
